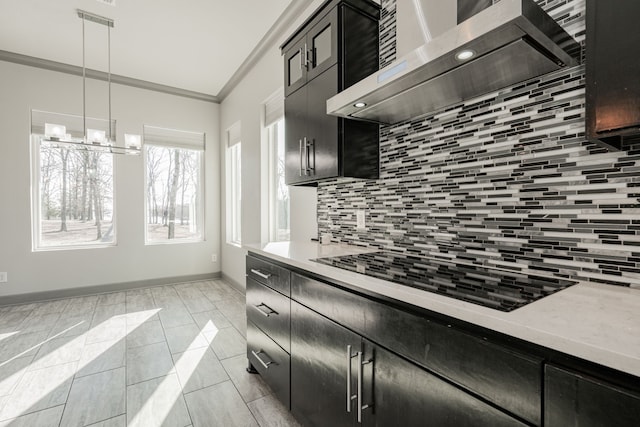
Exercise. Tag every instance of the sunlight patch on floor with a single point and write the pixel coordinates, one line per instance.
(166, 388)
(40, 344)
(50, 386)
(7, 335)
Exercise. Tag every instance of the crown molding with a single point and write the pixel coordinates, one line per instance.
(276, 32)
(61, 67)
(288, 17)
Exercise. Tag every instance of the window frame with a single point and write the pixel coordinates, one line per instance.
(275, 131)
(35, 144)
(201, 212)
(234, 193)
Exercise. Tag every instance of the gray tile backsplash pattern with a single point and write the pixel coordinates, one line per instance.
(505, 180)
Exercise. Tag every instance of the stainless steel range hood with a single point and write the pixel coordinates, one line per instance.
(511, 41)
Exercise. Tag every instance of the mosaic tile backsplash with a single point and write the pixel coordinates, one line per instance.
(505, 180)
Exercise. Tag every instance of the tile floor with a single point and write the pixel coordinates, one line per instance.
(161, 356)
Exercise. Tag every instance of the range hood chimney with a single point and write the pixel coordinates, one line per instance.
(439, 63)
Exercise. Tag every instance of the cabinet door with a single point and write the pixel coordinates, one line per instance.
(572, 399)
(512, 380)
(320, 365)
(400, 393)
(295, 111)
(322, 44)
(296, 61)
(323, 136)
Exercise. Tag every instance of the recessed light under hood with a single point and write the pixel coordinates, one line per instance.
(506, 43)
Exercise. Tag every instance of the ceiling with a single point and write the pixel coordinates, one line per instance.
(195, 45)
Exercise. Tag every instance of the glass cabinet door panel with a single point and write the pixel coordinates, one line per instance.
(321, 46)
(295, 68)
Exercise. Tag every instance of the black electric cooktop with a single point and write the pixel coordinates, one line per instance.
(494, 288)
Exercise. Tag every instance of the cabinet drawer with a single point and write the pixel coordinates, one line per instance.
(340, 306)
(573, 399)
(509, 379)
(274, 276)
(269, 311)
(270, 361)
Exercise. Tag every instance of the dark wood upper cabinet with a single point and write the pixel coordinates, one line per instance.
(335, 48)
(612, 70)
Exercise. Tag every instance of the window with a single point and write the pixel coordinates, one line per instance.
(173, 178)
(72, 187)
(278, 191)
(234, 186)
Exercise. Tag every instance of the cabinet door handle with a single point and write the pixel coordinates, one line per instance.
(261, 274)
(301, 58)
(265, 313)
(305, 144)
(300, 156)
(350, 396)
(311, 148)
(360, 405)
(306, 56)
(262, 362)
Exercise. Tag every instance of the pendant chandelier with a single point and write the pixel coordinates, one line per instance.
(96, 134)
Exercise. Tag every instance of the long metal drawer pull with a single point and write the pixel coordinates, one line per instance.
(360, 405)
(350, 397)
(262, 362)
(261, 274)
(265, 313)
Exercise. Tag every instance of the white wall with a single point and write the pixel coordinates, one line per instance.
(24, 88)
(244, 104)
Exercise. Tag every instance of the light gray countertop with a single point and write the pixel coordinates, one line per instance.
(598, 323)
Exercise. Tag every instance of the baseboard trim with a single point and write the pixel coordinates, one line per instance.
(239, 287)
(101, 289)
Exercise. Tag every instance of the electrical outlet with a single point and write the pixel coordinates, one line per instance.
(360, 219)
(4, 277)
(214, 257)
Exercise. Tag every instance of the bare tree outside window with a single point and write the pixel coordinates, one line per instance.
(173, 194)
(75, 196)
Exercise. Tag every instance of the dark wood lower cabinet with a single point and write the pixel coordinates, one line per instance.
(270, 360)
(339, 378)
(357, 360)
(399, 390)
(576, 400)
(319, 369)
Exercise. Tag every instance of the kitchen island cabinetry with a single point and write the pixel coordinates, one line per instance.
(336, 47)
(338, 377)
(353, 350)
